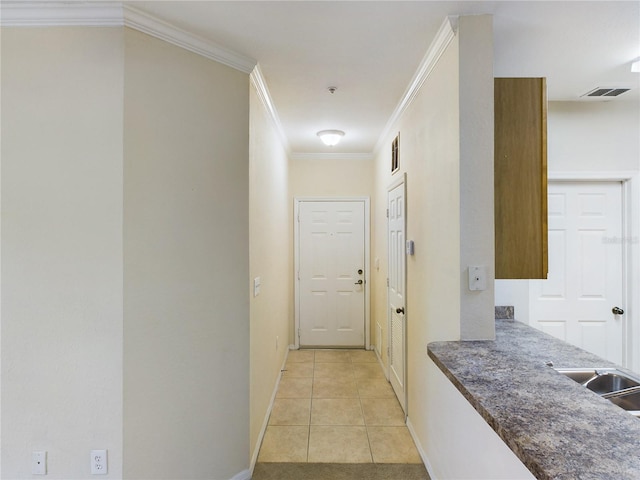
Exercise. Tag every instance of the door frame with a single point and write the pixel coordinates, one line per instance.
(296, 262)
(630, 263)
(402, 180)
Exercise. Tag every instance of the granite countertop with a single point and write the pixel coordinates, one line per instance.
(558, 428)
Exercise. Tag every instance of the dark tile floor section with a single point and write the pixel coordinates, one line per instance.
(343, 471)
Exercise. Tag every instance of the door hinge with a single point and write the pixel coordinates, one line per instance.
(298, 274)
(387, 213)
(298, 333)
(387, 281)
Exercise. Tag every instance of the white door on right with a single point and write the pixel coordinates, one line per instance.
(578, 301)
(396, 297)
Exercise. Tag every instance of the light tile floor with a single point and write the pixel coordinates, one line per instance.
(336, 406)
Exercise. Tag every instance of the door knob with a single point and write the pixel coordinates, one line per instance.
(359, 282)
(359, 271)
(400, 310)
(617, 311)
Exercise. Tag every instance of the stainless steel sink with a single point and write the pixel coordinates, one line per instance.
(608, 382)
(580, 375)
(630, 402)
(618, 387)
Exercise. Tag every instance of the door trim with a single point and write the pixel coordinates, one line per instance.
(630, 256)
(367, 262)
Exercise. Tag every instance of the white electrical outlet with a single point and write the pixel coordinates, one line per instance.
(99, 462)
(39, 463)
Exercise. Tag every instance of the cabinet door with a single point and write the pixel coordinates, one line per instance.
(520, 173)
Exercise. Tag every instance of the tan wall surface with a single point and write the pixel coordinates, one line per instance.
(437, 149)
(186, 264)
(270, 217)
(594, 136)
(429, 154)
(62, 296)
(342, 178)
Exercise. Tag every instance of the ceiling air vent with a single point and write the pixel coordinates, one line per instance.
(605, 92)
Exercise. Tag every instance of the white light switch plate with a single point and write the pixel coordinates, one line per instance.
(477, 278)
(256, 286)
(39, 463)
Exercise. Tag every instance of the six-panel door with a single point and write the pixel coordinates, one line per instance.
(331, 270)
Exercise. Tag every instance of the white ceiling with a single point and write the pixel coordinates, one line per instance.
(370, 50)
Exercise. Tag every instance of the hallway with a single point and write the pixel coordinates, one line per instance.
(336, 407)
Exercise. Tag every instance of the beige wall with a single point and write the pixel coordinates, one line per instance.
(331, 177)
(594, 136)
(446, 150)
(125, 256)
(429, 154)
(477, 242)
(186, 264)
(270, 216)
(61, 292)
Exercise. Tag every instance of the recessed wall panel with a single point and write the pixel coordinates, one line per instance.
(319, 217)
(344, 306)
(319, 245)
(319, 311)
(593, 335)
(344, 217)
(554, 287)
(556, 204)
(555, 328)
(592, 273)
(592, 204)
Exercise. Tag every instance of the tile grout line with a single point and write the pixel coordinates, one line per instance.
(354, 377)
(366, 427)
(313, 377)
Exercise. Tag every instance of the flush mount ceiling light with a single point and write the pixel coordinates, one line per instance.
(331, 137)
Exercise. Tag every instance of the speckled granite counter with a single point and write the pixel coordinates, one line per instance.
(556, 427)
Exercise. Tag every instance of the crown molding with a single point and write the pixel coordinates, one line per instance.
(114, 14)
(155, 27)
(332, 156)
(58, 14)
(260, 84)
(443, 38)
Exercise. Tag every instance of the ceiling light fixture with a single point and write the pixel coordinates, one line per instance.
(331, 137)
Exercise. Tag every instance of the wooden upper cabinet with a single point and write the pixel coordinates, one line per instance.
(520, 177)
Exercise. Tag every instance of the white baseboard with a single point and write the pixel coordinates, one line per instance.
(385, 370)
(243, 475)
(421, 451)
(265, 422)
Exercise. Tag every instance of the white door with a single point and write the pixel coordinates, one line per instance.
(585, 279)
(331, 273)
(397, 293)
